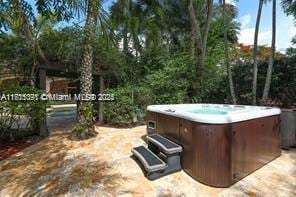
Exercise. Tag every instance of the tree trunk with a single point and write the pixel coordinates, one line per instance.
(195, 31)
(271, 57)
(229, 73)
(101, 104)
(85, 126)
(200, 38)
(193, 35)
(206, 34)
(125, 39)
(192, 42)
(126, 25)
(255, 54)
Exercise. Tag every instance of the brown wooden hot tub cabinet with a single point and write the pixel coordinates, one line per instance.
(220, 154)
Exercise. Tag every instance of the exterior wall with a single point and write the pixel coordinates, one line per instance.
(222, 154)
(8, 81)
(57, 85)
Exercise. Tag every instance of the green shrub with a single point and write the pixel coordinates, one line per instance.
(11, 111)
(129, 101)
(119, 111)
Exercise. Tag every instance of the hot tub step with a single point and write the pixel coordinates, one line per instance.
(165, 145)
(154, 166)
(150, 161)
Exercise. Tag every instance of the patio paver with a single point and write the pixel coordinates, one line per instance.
(102, 167)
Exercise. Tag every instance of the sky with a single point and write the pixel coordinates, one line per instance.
(247, 10)
(247, 17)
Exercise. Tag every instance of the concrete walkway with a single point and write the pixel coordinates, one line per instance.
(102, 166)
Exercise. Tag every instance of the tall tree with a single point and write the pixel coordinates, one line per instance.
(65, 10)
(199, 35)
(255, 53)
(195, 34)
(272, 55)
(126, 25)
(121, 16)
(85, 127)
(206, 33)
(229, 72)
(138, 23)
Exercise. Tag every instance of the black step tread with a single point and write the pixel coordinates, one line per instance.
(164, 144)
(150, 161)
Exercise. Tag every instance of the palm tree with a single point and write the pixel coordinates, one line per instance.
(271, 58)
(229, 73)
(85, 128)
(94, 13)
(255, 53)
(138, 23)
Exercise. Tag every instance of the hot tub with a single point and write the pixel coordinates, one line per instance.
(221, 143)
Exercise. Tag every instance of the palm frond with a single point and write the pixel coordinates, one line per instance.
(289, 7)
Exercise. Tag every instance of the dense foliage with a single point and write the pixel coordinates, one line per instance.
(283, 81)
(143, 49)
(18, 113)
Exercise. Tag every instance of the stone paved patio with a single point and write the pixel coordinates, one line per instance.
(103, 167)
